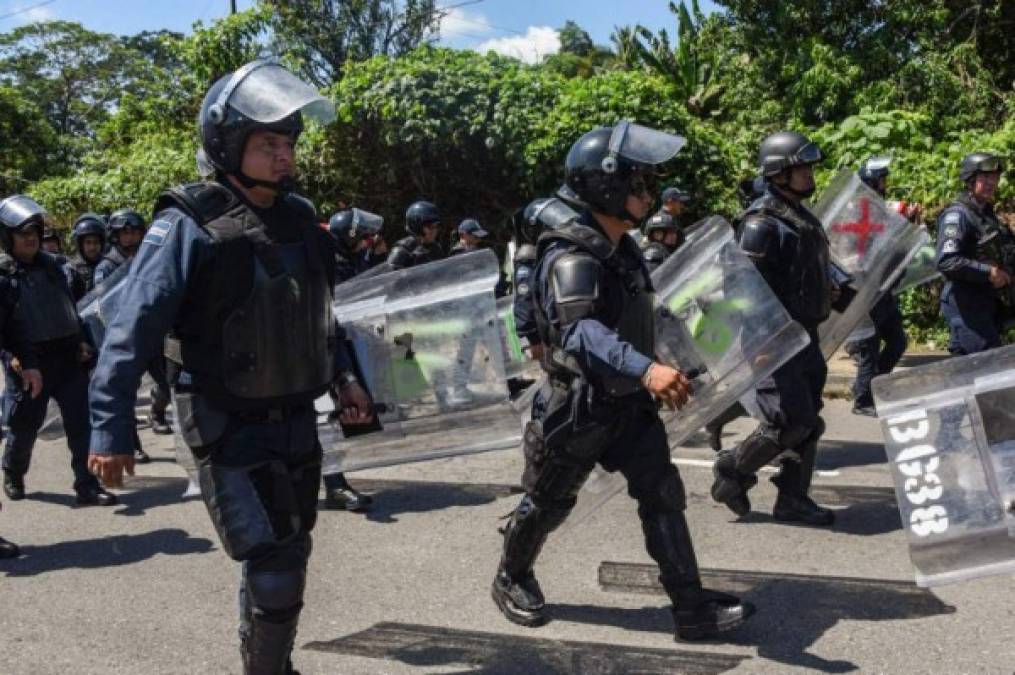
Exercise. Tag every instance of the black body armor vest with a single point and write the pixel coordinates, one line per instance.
(45, 300)
(261, 332)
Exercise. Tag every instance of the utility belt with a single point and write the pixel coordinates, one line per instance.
(265, 415)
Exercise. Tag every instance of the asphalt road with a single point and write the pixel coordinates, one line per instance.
(145, 587)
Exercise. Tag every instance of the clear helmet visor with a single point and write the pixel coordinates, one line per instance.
(644, 145)
(205, 169)
(365, 223)
(878, 166)
(266, 92)
(554, 213)
(809, 154)
(990, 165)
(15, 211)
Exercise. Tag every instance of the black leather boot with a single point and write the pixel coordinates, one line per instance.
(8, 549)
(794, 480)
(268, 647)
(515, 589)
(697, 612)
(14, 486)
(731, 486)
(338, 494)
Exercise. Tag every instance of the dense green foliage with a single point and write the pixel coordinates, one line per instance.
(91, 121)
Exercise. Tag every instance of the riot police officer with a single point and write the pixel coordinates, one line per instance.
(873, 358)
(662, 238)
(471, 237)
(125, 229)
(239, 273)
(89, 236)
(51, 243)
(353, 231)
(527, 228)
(749, 190)
(423, 223)
(54, 330)
(15, 343)
(675, 202)
(594, 309)
(975, 253)
(789, 247)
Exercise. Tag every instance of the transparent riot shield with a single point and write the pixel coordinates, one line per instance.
(98, 307)
(870, 242)
(921, 269)
(717, 320)
(430, 351)
(517, 363)
(949, 431)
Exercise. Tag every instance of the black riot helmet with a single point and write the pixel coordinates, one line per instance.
(420, 214)
(351, 226)
(979, 162)
(528, 227)
(122, 219)
(49, 234)
(608, 164)
(17, 214)
(873, 172)
(259, 96)
(784, 150)
(660, 222)
(750, 190)
(88, 224)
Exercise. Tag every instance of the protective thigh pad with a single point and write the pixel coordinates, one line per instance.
(758, 449)
(558, 483)
(253, 508)
(534, 449)
(658, 491)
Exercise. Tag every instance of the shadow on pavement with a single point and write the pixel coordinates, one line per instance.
(794, 610)
(103, 552)
(142, 493)
(394, 497)
(500, 654)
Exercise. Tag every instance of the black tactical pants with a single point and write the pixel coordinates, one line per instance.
(880, 353)
(259, 480)
(65, 380)
(632, 440)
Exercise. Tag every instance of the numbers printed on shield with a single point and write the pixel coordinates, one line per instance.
(918, 463)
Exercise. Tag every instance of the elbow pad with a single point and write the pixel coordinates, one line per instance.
(757, 235)
(575, 280)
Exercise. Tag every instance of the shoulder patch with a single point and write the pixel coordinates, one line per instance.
(951, 230)
(950, 246)
(951, 218)
(157, 232)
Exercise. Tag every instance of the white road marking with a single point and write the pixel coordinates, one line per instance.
(707, 464)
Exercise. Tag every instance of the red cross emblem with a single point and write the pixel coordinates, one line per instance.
(864, 228)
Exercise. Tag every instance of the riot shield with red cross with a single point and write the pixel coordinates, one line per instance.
(869, 241)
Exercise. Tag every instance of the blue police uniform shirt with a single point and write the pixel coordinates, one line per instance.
(957, 246)
(524, 311)
(172, 251)
(597, 349)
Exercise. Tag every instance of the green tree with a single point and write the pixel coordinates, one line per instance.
(318, 37)
(575, 40)
(28, 158)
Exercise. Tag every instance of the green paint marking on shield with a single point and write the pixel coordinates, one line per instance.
(412, 377)
(514, 343)
(433, 328)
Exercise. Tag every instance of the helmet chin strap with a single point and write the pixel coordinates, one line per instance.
(287, 184)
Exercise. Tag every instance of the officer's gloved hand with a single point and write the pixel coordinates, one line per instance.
(110, 468)
(536, 351)
(667, 384)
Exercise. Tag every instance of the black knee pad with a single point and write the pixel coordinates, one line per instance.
(761, 447)
(276, 594)
(659, 491)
